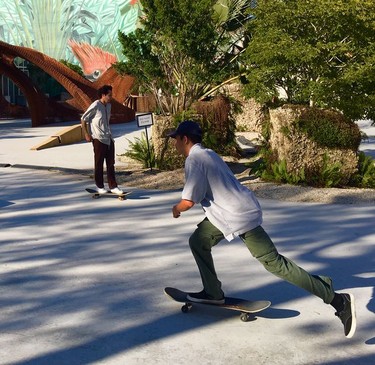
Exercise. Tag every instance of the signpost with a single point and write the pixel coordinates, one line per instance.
(145, 120)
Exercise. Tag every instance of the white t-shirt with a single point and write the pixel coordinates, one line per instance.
(228, 205)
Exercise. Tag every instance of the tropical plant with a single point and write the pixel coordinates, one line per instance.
(328, 175)
(184, 49)
(142, 150)
(365, 178)
(281, 174)
(318, 53)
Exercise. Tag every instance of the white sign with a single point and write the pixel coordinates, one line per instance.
(144, 120)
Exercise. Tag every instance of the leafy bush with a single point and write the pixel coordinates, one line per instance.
(139, 151)
(329, 128)
(282, 175)
(317, 53)
(184, 49)
(327, 175)
(277, 173)
(365, 178)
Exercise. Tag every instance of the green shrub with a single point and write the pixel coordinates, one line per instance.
(365, 178)
(327, 175)
(281, 174)
(257, 166)
(329, 128)
(139, 151)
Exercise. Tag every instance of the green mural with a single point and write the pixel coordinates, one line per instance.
(49, 25)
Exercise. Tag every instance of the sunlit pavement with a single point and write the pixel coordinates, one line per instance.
(81, 280)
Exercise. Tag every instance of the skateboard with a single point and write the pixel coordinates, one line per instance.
(96, 195)
(246, 307)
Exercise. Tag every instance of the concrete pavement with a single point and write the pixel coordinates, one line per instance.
(81, 280)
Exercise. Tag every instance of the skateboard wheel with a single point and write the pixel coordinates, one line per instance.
(186, 308)
(244, 317)
(121, 198)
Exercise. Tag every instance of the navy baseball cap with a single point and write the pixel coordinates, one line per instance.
(187, 127)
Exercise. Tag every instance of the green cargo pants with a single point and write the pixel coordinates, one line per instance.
(262, 248)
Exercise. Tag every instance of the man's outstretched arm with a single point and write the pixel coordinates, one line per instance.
(182, 206)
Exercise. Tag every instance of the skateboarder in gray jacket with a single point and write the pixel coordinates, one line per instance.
(232, 210)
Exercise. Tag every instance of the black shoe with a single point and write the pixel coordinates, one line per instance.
(202, 297)
(347, 315)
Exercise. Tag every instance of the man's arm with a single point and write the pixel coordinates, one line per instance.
(182, 206)
(87, 136)
(88, 115)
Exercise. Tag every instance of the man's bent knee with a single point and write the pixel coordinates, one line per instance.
(274, 263)
(200, 241)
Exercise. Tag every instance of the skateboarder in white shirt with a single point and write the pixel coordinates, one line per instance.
(232, 210)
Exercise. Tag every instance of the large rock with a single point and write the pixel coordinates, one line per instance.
(164, 148)
(299, 151)
(253, 115)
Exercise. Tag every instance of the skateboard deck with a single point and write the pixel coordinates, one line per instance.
(96, 195)
(246, 307)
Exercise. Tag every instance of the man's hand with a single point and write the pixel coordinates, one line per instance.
(182, 206)
(88, 138)
(175, 212)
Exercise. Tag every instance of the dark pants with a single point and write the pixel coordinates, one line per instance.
(262, 248)
(104, 152)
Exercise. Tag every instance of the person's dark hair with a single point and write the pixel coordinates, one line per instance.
(104, 90)
(194, 138)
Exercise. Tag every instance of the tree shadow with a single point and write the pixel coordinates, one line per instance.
(96, 270)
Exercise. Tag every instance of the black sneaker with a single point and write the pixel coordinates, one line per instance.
(347, 315)
(202, 297)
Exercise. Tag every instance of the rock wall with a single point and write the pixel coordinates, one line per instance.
(299, 151)
(164, 148)
(252, 117)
